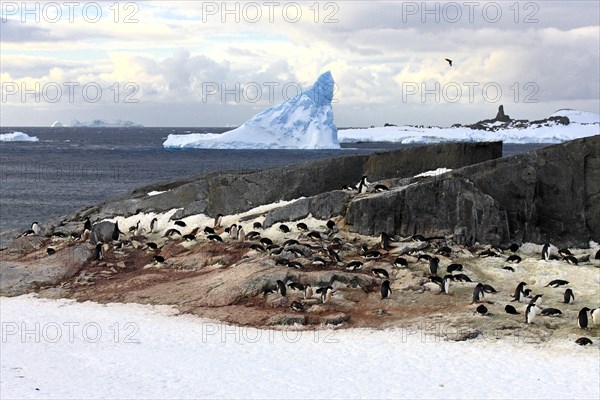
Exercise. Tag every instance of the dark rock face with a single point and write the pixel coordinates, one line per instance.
(501, 116)
(548, 195)
(322, 206)
(231, 193)
(436, 207)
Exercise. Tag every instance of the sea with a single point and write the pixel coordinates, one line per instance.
(73, 168)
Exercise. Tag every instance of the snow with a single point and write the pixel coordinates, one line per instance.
(156, 192)
(579, 117)
(57, 124)
(17, 137)
(435, 172)
(63, 349)
(303, 122)
(532, 134)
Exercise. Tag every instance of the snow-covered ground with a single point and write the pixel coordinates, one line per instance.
(582, 124)
(17, 137)
(63, 349)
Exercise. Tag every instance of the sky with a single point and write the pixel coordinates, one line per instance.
(214, 63)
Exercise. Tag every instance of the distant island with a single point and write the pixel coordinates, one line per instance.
(97, 123)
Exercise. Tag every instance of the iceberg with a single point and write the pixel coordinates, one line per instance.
(17, 137)
(98, 123)
(56, 124)
(303, 122)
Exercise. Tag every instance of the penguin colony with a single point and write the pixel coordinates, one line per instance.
(324, 247)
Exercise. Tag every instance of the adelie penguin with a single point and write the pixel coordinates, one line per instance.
(386, 291)
(482, 310)
(281, 288)
(530, 313)
(301, 226)
(514, 259)
(446, 284)
(478, 293)
(353, 265)
(257, 225)
(284, 228)
(546, 252)
(326, 295)
(557, 282)
(537, 300)
(363, 185)
(297, 306)
(50, 251)
(568, 297)
(454, 267)
(582, 318)
(215, 238)
(434, 264)
(549, 312)
(380, 272)
(400, 262)
(519, 292)
(510, 310)
(153, 224)
(308, 291)
(218, 221)
(370, 254)
(595, 313)
(583, 341)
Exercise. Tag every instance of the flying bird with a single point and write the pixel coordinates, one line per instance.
(449, 61)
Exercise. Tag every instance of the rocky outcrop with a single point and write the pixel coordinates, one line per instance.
(236, 192)
(18, 277)
(437, 207)
(503, 121)
(548, 195)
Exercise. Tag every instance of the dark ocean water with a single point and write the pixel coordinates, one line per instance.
(72, 168)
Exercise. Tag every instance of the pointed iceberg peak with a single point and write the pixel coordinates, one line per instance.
(303, 122)
(322, 90)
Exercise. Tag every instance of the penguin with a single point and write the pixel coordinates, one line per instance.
(87, 225)
(50, 251)
(35, 228)
(489, 289)
(488, 253)
(218, 221)
(209, 231)
(257, 225)
(171, 232)
(290, 242)
(134, 228)
(514, 247)
(319, 262)
(370, 254)
(437, 280)
(381, 188)
(281, 288)
(583, 341)
(530, 313)
(549, 312)
(158, 259)
(514, 259)
(546, 252)
(446, 284)
(519, 292)
(326, 295)
(295, 286)
(215, 238)
(266, 241)
(333, 256)
(386, 291)
(241, 235)
(511, 269)
(597, 256)
(478, 293)
(582, 318)
(180, 223)
(537, 300)
(354, 265)
(152, 246)
(568, 297)
(189, 237)
(336, 241)
(98, 252)
(302, 227)
(462, 278)
(595, 316)
(308, 291)
(282, 261)
(454, 267)
(331, 226)
(252, 235)
(400, 262)
(385, 241)
(557, 282)
(380, 272)
(481, 309)
(425, 257)
(434, 264)
(296, 306)
(571, 260)
(565, 252)
(153, 224)
(233, 230)
(510, 310)
(363, 185)
(314, 235)
(257, 247)
(284, 228)
(295, 264)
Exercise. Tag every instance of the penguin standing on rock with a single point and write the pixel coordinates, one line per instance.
(519, 292)
(446, 284)
(386, 291)
(569, 297)
(478, 293)
(326, 295)
(308, 291)
(582, 318)
(537, 300)
(281, 288)
(434, 264)
(530, 313)
(546, 252)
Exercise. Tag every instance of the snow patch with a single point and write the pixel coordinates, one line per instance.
(435, 172)
(156, 192)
